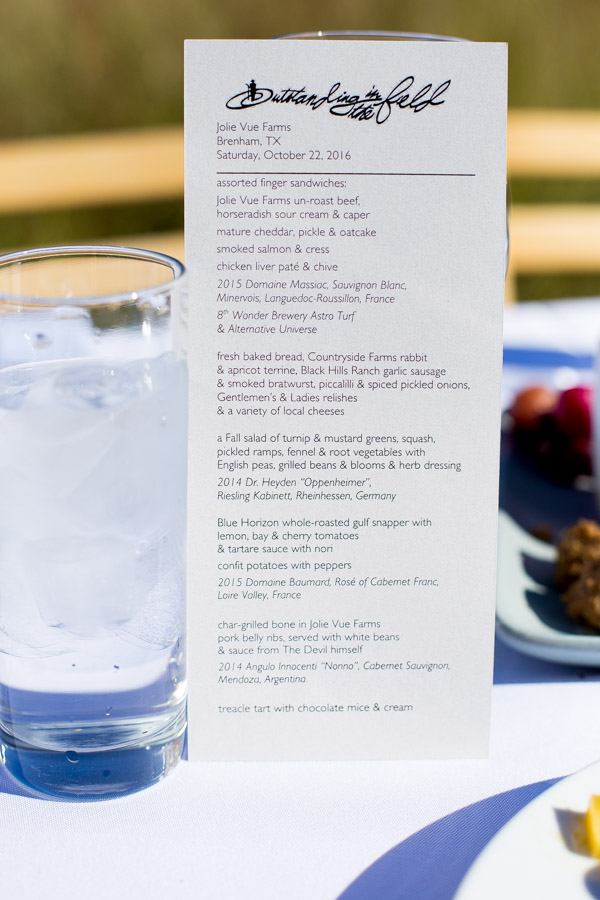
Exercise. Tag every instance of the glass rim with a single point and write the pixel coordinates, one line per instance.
(413, 35)
(38, 254)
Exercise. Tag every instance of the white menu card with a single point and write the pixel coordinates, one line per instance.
(346, 242)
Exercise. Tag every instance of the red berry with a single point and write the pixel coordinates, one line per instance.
(573, 412)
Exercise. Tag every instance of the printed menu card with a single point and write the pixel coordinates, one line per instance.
(346, 247)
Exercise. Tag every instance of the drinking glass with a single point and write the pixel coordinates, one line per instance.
(366, 36)
(92, 518)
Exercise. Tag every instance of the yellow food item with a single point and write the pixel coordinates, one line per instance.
(592, 825)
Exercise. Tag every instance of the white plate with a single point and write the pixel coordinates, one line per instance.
(541, 852)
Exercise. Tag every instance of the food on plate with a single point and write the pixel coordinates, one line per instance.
(577, 571)
(583, 595)
(592, 825)
(553, 429)
(578, 546)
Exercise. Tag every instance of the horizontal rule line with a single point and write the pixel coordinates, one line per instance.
(381, 174)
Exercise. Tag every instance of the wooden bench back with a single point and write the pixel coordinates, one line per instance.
(147, 165)
(554, 237)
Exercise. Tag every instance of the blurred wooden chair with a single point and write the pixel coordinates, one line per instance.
(145, 165)
(96, 169)
(553, 237)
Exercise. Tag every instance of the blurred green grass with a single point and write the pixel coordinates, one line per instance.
(82, 65)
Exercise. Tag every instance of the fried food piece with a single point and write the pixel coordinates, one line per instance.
(583, 595)
(592, 825)
(579, 545)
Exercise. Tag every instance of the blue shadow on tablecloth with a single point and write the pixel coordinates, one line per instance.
(430, 864)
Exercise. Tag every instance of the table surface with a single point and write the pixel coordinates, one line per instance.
(321, 831)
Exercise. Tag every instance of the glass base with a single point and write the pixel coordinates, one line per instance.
(93, 774)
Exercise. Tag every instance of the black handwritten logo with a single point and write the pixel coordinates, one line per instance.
(252, 96)
(372, 104)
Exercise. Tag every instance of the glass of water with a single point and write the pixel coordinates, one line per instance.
(93, 435)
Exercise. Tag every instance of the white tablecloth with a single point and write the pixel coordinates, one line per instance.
(300, 831)
(306, 831)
